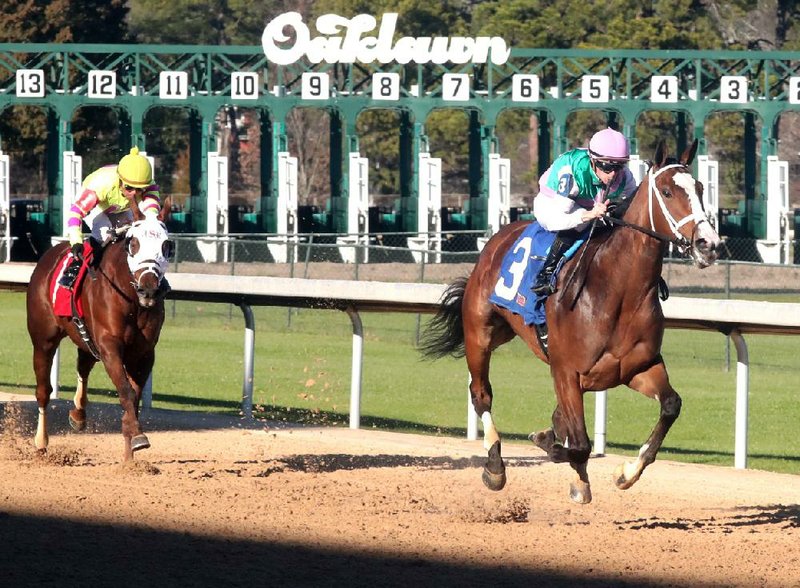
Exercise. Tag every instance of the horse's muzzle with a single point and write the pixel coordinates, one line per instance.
(705, 246)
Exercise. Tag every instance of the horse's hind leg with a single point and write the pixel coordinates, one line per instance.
(654, 382)
(77, 416)
(480, 389)
(42, 364)
(478, 344)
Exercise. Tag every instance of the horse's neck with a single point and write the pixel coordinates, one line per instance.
(114, 263)
(638, 253)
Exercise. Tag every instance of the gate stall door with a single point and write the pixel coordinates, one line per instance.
(71, 185)
(638, 168)
(286, 215)
(708, 174)
(215, 248)
(777, 212)
(357, 211)
(499, 192)
(5, 207)
(428, 242)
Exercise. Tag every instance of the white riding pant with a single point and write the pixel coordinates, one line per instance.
(102, 223)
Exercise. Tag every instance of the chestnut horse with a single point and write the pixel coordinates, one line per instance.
(123, 314)
(605, 320)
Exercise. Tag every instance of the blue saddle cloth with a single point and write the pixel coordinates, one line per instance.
(518, 272)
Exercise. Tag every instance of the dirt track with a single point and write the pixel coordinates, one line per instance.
(218, 503)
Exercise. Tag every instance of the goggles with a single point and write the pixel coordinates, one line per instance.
(128, 188)
(609, 166)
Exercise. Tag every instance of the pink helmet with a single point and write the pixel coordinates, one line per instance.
(609, 144)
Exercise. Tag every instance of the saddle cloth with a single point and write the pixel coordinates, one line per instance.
(60, 296)
(518, 273)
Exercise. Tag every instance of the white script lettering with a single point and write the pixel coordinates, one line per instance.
(343, 40)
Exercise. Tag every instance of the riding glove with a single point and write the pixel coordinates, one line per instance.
(77, 251)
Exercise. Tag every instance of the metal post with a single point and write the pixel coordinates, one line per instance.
(249, 354)
(472, 416)
(600, 420)
(355, 372)
(147, 392)
(742, 390)
(54, 373)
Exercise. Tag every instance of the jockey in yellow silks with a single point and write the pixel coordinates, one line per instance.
(105, 203)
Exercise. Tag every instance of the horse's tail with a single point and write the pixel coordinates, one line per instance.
(445, 333)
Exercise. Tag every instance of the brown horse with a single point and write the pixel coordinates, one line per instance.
(124, 312)
(605, 321)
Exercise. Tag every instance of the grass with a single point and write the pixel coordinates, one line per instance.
(302, 374)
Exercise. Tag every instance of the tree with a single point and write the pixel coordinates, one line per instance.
(22, 128)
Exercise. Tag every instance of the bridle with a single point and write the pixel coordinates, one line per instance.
(683, 244)
(141, 267)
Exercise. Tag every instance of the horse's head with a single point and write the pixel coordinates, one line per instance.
(675, 206)
(149, 251)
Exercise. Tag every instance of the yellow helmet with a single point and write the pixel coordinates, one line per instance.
(134, 170)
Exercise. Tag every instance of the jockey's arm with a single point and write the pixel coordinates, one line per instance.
(79, 209)
(150, 204)
(559, 213)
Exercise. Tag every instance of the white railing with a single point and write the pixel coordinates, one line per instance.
(734, 318)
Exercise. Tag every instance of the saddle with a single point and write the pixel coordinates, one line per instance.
(62, 297)
(528, 255)
(66, 301)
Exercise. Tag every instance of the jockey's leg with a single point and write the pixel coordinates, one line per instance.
(543, 285)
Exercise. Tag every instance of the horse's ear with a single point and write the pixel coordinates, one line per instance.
(688, 156)
(660, 158)
(137, 212)
(166, 209)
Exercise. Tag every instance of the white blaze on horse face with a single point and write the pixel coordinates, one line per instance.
(704, 229)
(151, 234)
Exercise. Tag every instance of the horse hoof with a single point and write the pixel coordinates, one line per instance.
(543, 439)
(621, 479)
(139, 442)
(580, 492)
(495, 482)
(77, 419)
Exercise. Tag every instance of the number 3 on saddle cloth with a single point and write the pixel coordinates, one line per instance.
(60, 296)
(523, 261)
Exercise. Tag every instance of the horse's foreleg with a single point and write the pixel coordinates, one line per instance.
(77, 416)
(569, 424)
(131, 429)
(494, 472)
(654, 383)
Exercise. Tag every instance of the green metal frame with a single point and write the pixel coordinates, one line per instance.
(560, 73)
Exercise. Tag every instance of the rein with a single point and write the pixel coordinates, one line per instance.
(654, 194)
(681, 243)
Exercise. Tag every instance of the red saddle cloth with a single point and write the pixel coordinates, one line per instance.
(61, 296)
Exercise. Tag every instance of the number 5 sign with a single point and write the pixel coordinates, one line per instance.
(594, 89)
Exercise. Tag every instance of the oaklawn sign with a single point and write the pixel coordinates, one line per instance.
(345, 40)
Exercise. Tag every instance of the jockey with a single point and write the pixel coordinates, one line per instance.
(106, 201)
(576, 189)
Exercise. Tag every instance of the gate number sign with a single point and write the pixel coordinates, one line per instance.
(30, 83)
(174, 85)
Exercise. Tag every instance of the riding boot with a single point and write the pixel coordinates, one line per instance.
(70, 273)
(543, 285)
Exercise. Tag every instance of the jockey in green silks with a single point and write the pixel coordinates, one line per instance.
(576, 189)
